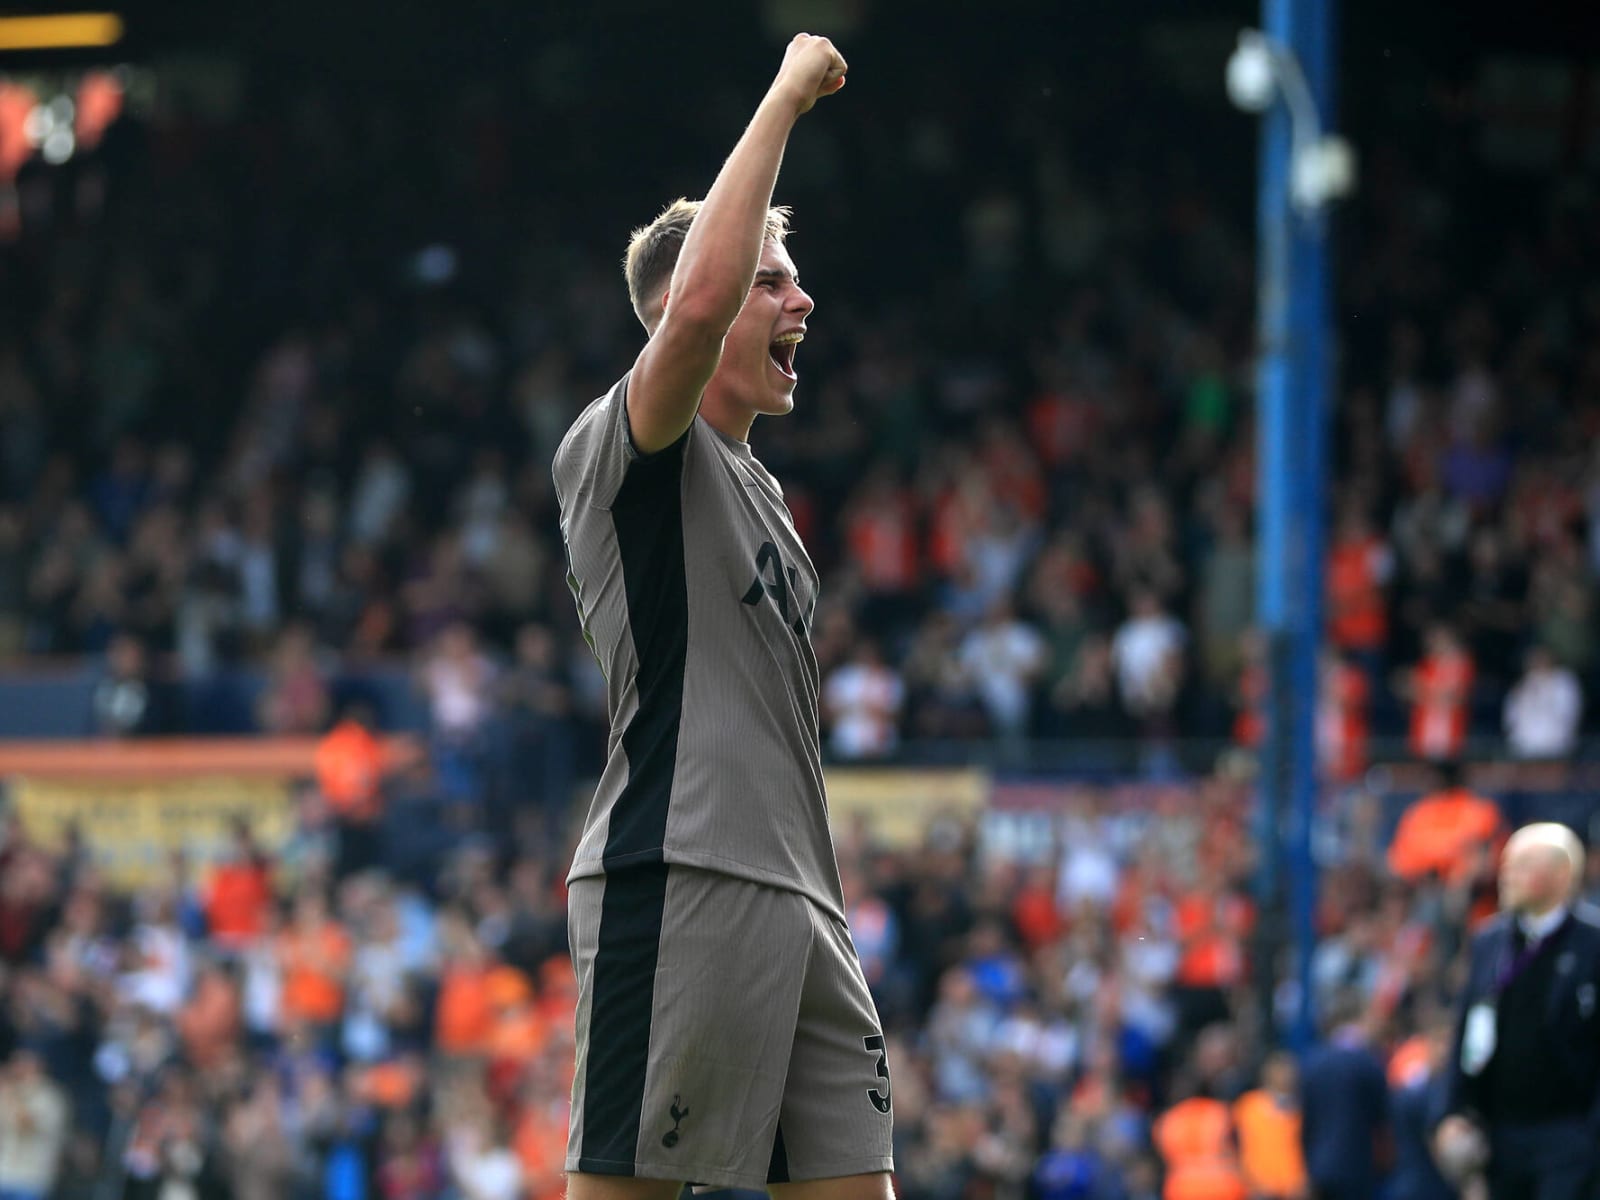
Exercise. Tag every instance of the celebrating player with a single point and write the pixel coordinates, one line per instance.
(726, 1035)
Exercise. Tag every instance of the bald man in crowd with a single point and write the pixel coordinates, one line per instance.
(1523, 1098)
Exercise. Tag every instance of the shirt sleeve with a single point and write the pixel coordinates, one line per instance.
(597, 452)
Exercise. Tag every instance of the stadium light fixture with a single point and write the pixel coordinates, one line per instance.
(60, 31)
(1322, 166)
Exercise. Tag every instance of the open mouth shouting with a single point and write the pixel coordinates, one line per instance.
(782, 352)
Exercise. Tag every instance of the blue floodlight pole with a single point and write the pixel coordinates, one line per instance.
(1292, 409)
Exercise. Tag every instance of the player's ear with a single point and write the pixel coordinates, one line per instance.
(660, 311)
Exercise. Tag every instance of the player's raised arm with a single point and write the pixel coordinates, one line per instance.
(716, 267)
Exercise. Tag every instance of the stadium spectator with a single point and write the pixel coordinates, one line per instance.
(861, 703)
(1148, 653)
(481, 1163)
(130, 701)
(1210, 921)
(1343, 719)
(1267, 1120)
(1439, 689)
(941, 691)
(1519, 1074)
(1086, 701)
(1073, 1167)
(458, 680)
(1414, 1091)
(1494, 613)
(296, 699)
(1225, 597)
(1359, 568)
(239, 893)
(208, 1023)
(1542, 710)
(1005, 656)
(157, 975)
(1250, 693)
(315, 954)
(34, 1123)
(1344, 1125)
(258, 1151)
(1451, 833)
(1196, 1139)
(881, 534)
(350, 767)
(536, 756)
(409, 1165)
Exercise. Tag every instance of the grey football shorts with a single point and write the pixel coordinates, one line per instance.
(725, 1034)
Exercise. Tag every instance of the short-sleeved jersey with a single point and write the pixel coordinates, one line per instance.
(697, 597)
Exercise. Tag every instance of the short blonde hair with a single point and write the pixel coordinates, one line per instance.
(653, 252)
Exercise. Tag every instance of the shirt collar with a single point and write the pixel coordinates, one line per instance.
(1539, 928)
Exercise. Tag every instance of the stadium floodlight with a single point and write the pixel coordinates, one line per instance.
(1322, 166)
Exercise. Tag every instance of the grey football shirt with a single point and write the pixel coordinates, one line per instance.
(697, 597)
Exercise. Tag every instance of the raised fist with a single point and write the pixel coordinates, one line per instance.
(811, 69)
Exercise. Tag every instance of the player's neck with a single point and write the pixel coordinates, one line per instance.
(727, 416)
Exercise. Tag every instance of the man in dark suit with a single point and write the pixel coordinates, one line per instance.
(1413, 1099)
(1344, 1100)
(1524, 1077)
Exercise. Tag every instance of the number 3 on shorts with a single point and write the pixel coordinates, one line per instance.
(874, 1044)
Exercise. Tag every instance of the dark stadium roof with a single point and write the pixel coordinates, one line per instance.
(421, 37)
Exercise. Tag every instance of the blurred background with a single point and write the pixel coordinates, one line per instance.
(296, 302)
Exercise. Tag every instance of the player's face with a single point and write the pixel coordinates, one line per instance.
(758, 355)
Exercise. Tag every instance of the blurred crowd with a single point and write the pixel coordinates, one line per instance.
(271, 1028)
(382, 1006)
(255, 409)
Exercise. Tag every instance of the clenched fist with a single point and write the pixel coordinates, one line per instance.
(811, 69)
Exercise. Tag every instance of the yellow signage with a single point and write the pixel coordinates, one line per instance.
(897, 806)
(133, 827)
(60, 31)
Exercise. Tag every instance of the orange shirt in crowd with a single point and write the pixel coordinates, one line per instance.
(1344, 695)
(1014, 476)
(1437, 834)
(1195, 1140)
(1037, 918)
(557, 1002)
(349, 765)
(1357, 616)
(956, 514)
(540, 1144)
(1205, 1181)
(1410, 1062)
(237, 901)
(314, 962)
(1269, 1145)
(391, 1085)
(1211, 929)
(884, 544)
(1062, 426)
(1250, 722)
(1442, 694)
(517, 1029)
(1136, 888)
(463, 1017)
(518, 1036)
